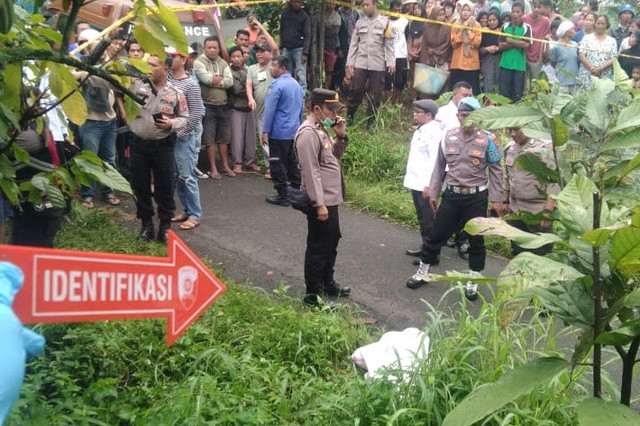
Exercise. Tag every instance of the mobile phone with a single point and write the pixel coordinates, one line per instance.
(158, 116)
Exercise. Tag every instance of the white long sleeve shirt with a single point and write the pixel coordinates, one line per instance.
(422, 156)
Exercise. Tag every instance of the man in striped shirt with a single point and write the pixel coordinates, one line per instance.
(185, 147)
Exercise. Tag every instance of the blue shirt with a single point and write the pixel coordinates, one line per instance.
(283, 108)
(565, 60)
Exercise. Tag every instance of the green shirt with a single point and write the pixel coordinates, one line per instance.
(514, 58)
(261, 79)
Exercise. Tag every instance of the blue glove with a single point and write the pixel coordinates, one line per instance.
(16, 341)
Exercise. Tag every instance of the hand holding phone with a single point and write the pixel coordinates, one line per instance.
(158, 116)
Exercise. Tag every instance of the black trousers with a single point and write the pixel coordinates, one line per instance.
(283, 165)
(153, 157)
(512, 84)
(424, 213)
(35, 225)
(322, 245)
(516, 249)
(453, 210)
(376, 86)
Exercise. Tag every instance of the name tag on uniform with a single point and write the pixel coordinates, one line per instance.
(262, 75)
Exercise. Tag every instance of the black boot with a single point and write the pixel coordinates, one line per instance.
(350, 115)
(146, 232)
(335, 289)
(163, 230)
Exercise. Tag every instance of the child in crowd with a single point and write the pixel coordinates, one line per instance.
(490, 54)
(243, 144)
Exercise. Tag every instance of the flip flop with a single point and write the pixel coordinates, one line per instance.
(189, 224)
(237, 169)
(215, 175)
(88, 202)
(229, 173)
(180, 217)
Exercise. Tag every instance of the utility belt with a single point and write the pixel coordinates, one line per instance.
(466, 190)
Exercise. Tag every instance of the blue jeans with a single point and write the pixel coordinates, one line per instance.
(296, 67)
(100, 138)
(186, 180)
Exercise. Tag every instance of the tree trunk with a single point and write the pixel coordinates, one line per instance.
(317, 47)
(628, 362)
(597, 302)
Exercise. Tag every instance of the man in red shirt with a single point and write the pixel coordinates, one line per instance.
(540, 29)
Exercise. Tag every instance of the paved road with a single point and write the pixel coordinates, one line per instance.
(264, 244)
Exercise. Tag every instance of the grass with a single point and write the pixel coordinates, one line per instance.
(261, 359)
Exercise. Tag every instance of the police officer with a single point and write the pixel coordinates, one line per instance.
(318, 157)
(152, 147)
(469, 153)
(371, 56)
(524, 192)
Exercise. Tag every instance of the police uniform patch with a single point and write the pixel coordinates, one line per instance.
(183, 104)
(166, 110)
(509, 161)
(476, 153)
(475, 162)
(169, 97)
(452, 149)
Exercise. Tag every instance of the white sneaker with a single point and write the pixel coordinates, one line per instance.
(201, 175)
(418, 278)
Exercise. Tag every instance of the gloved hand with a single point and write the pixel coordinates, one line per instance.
(16, 341)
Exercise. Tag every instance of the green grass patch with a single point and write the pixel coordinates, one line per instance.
(262, 359)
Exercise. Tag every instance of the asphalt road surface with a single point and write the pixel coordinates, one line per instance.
(263, 244)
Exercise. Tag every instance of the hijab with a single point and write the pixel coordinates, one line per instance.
(436, 37)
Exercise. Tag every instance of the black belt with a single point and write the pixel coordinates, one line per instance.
(466, 190)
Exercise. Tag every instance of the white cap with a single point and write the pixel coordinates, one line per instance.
(563, 28)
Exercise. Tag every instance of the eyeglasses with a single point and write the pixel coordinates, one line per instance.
(418, 111)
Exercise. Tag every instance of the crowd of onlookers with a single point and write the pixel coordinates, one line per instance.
(366, 52)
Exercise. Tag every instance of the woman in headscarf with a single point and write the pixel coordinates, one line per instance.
(436, 41)
(626, 62)
(465, 61)
(490, 53)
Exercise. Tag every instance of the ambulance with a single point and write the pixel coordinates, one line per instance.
(197, 24)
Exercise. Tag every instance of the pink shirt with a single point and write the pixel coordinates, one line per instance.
(539, 28)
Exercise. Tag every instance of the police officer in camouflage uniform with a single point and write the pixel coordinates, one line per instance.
(469, 153)
(370, 57)
(319, 161)
(524, 192)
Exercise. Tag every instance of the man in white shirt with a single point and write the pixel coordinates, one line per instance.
(399, 79)
(422, 157)
(448, 114)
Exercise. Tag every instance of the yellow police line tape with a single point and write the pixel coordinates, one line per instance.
(128, 16)
(184, 8)
(482, 30)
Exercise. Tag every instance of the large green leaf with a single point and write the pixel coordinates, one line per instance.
(148, 42)
(629, 140)
(621, 78)
(528, 270)
(628, 118)
(10, 94)
(172, 26)
(559, 131)
(575, 110)
(597, 115)
(62, 83)
(568, 301)
(624, 253)
(559, 101)
(532, 163)
(491, 397)
(86, 163)
(498, 227)
(622, 335)
(582, 347)
(597, 412)
(598, 237)
(506, 116)
(575, 204)
(131, 109)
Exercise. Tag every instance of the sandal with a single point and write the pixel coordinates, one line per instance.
(189, 224)
(214, 175)
(237, 169)
(229, 173)
(112, 200)
(267, 176)
(253, 167)
(88, 202)
(180, 217)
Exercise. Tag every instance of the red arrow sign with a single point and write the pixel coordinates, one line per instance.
(73, 286)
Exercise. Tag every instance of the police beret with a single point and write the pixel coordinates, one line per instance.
(326, 97)
(262, 46)
(468, 104)
(427, 105)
